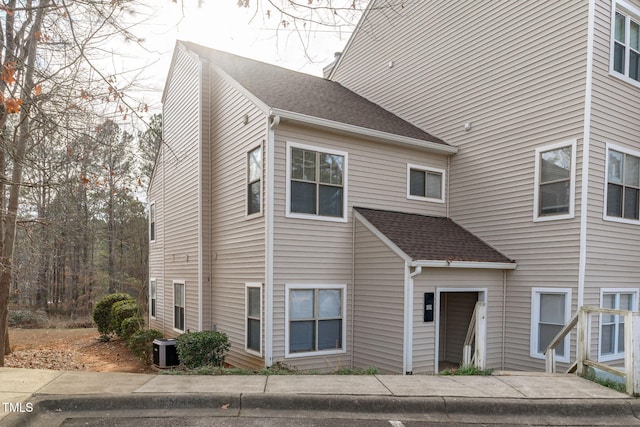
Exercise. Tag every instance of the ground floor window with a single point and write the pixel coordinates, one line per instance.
(612, 326)
(254, 318)
(550, 311)
(153, 294)
(315, 319)
(178, 306)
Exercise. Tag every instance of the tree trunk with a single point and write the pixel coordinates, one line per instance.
(23, 137)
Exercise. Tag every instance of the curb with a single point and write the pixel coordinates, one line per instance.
(48, 406)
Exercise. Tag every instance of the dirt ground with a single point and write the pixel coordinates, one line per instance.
(70, 350)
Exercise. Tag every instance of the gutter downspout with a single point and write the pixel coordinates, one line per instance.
(272, 122)
(407, 364)
(582, 263)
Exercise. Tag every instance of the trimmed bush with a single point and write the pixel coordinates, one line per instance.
(102, 311)
(141, 344)
(197, 349)
(130, 326)
(120, 311)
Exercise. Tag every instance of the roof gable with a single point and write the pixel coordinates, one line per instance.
(283, 89)
(431, 238)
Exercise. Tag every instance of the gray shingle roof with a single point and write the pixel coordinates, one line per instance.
(288, 90)
(431, 238)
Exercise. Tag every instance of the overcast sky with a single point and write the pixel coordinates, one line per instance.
(222, 25)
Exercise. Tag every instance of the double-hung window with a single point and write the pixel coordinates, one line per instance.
(424, 183)
(317, 183)
(254, 318)
(153, 295)
(623, 185)
(178, 305)
(550, 311)
(315, 317)
(625, 42)
(612, 325)
(254, 181)
(554, 192)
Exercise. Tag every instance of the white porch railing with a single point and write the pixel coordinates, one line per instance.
(475, 351)
(583, 320)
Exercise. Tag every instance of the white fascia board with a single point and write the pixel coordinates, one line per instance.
(406, 258)
(465, 264)
(370, 133)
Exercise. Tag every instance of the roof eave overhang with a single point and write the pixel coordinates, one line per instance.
(465, 264)
(362, 131)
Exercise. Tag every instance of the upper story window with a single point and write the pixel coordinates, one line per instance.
(625, 43)
(152, 222)
(254, 181)
(316, 183)
(622, 198)
(554, 192)
(424, 183)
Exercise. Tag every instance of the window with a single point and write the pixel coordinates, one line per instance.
(625, 43)
(152, 222)
(612, 326)
(315, 320)
(254, 318)
(623, 185)
(551, 308)
(554, 193)
(317, 181)
(178, 306)
(425, 183)
(254, 181)
(153, 294)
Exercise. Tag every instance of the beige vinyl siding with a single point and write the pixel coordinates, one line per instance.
(454, 280)
(378, 325)
(180, 167)
(612, 247)
(308, 251)
(516, 72)
(156, 248)
(237, 243)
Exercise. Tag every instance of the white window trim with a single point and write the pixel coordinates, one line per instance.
(572, 185)
(616, 355)
(535, 318)
(246, 317)
(173, 305)
(632, 12)
(246, 184)
(153, 279)
(289, 355)
(605, 216)
(425, 169)
(152, 207)
(345, 186)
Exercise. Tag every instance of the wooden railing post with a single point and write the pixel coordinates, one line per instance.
(583, 318)
(481, 336)
(632, 353)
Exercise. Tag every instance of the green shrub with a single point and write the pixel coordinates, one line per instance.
(130, 326)
(141, 344)
(120, 311)
(198, 349)
(27, 319)
(102, 311)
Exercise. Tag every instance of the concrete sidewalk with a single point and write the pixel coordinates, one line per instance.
(27, 394)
